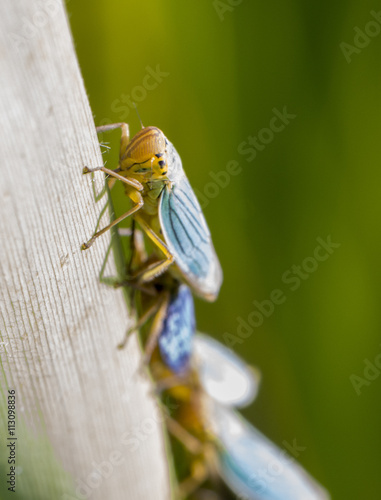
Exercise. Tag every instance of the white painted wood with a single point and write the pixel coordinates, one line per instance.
(80, 401)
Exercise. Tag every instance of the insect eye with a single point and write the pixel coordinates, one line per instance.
(162, 163)
(159, 155)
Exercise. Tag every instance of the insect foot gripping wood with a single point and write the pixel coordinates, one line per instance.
(167, 210)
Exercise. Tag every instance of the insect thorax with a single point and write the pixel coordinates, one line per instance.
(151, 195)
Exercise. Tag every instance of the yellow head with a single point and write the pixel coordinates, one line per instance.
(146, 154)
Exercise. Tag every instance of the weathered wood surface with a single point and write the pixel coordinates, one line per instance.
(80, 401)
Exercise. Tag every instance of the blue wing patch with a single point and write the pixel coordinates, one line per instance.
(176, 338)
(188, 237)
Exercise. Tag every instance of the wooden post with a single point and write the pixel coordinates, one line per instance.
(87, 424)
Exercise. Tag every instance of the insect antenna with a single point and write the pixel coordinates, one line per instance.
(137, 112)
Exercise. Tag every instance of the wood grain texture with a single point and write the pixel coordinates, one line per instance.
(76, 393)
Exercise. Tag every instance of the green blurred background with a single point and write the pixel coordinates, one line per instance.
(225, 72)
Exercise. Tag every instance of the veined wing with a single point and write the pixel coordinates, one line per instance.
(176, 338)
(255, 468)
(188, 238)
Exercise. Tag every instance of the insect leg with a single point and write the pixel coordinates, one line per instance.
(170, 382)
(127, 180)
(156, 269)
(111, 183)
(113, 126)
(137, 249)
(144, 318)
(138, 197)
(200, 464)
(156, 328)
(138, 258)
(107, 280)
(125, 138)
(199, 475)
(191, 443)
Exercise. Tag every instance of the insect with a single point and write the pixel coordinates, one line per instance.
(181, 364)
(225, 377)
(204, 384)
(176, 337)
(166, 209)
(254, 468)
(172, 326)
(167, 305)
(221, 443)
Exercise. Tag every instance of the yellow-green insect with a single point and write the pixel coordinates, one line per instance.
(166, 209)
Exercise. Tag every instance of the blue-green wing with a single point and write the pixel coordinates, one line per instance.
(188, 238)
(254, 468)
